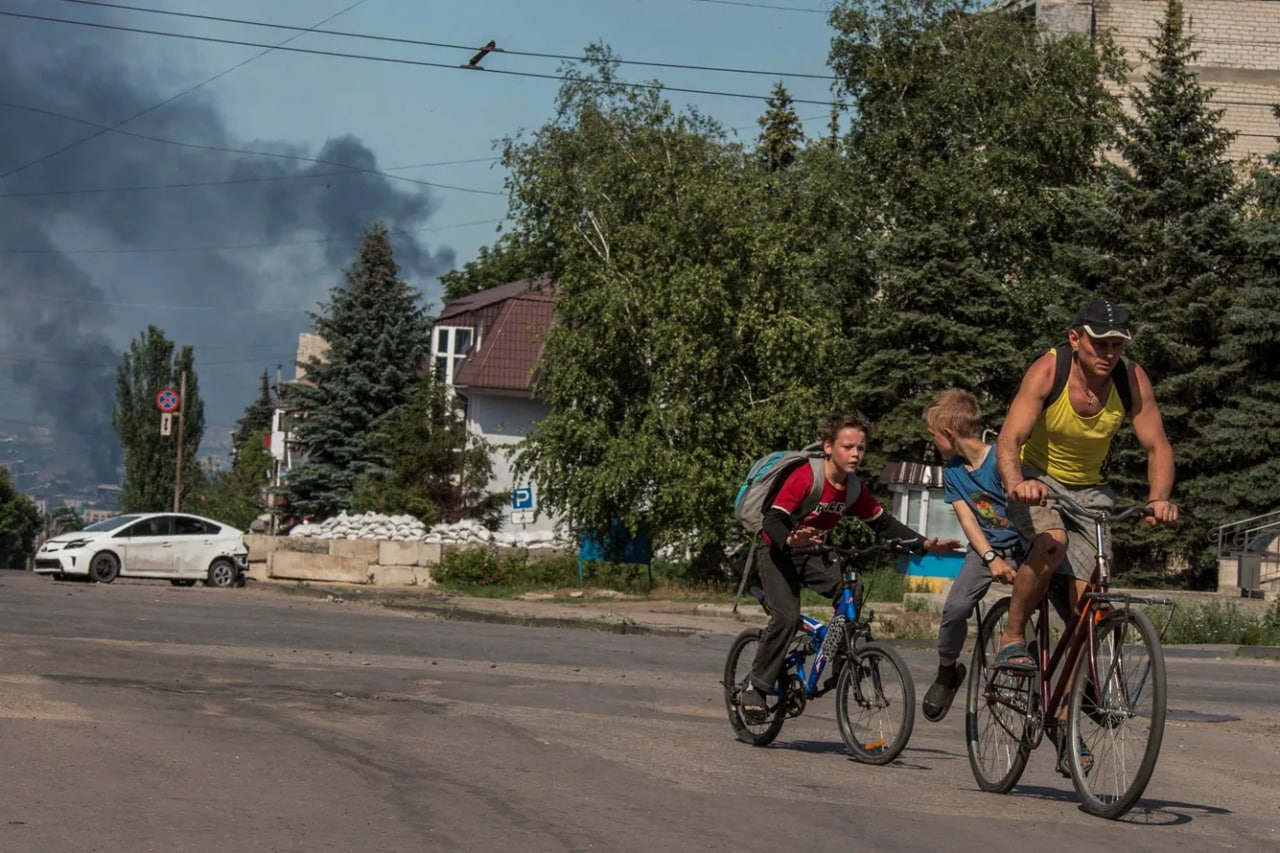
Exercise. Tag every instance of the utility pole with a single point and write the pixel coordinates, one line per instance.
(182, 422)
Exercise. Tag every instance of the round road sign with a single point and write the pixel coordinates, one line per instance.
(167, 400)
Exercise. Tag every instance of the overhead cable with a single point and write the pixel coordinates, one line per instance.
(618, 84)
(469, 48)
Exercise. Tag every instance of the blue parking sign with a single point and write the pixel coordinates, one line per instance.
(522, 497)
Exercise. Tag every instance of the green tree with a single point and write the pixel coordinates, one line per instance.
(19, 523)
(378, 341)
(780, 133)
(699, 321)
(435, 471)
(1158, 231)
(513, 257)
(966, 128)
(1246, 427)
(150, 459)
(236, 495)
(61, 519)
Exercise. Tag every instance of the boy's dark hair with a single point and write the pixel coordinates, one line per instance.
(830, 425)
(957, 410)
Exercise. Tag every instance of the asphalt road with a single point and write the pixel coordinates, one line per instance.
(143, 717)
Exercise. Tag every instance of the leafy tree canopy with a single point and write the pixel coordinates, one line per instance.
(700, 311)
(151, 459)
(19, 523)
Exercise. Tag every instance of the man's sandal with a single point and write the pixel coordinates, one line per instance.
(937, 701)
(1014, 657)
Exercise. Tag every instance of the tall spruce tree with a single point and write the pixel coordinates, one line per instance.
(1246, 427)
(965, 129)
(150, 459)
(780, 131)
(1158, 232)
(379, 340)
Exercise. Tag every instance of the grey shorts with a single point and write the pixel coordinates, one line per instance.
(1031, 521)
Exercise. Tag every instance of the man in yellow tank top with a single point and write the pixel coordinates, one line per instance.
(1059, 445)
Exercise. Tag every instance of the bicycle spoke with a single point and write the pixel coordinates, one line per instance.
(1123, 725)
(997, 711)
(875, 704)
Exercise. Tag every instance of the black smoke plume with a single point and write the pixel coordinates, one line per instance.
(67, 315)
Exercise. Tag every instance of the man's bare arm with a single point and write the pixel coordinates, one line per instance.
(1148, 426)
(1020, 420)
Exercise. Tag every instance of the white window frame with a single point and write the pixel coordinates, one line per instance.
(443, 339)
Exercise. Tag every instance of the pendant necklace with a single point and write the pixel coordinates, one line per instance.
(1090, 398)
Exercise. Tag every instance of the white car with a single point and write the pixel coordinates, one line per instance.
(180, 548)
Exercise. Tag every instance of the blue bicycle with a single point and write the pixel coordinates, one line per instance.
(875, 697)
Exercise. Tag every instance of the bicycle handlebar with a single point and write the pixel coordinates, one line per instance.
(1101, 514)
(897, 546)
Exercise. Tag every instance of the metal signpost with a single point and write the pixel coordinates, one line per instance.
(522, 505)
(170, 402)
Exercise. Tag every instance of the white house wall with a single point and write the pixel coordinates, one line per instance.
(503, 421)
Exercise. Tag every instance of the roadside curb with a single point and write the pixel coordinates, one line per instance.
(1264, 652)
(636, 617)
(612, 624)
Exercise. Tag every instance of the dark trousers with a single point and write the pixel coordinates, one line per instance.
(781, 578)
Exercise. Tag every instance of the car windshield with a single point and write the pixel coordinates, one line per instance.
(111, 523)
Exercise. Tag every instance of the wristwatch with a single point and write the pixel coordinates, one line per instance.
(988, 557)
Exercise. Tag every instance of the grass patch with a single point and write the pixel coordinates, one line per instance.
(885, 584)
(495, 573)
(1216, 622)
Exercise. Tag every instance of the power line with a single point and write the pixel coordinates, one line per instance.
(411, 62)
(757, 6)
(467, 48)
(145, 250)
(228, 181)
(173, 98)
(223, 149)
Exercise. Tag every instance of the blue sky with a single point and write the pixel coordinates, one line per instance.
(232, 268)
(415, 115)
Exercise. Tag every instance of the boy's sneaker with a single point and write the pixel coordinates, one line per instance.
(754, 709)
(937, 701)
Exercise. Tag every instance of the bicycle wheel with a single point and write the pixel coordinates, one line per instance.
(737, 674)
(996, 709)
(1123, 727)
(875, 704)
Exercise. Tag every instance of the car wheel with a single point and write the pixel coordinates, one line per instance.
(104, 568)
(222, 573)
(182, 581)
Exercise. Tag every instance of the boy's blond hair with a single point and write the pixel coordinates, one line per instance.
(957, 410)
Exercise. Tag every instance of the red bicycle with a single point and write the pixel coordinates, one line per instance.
(1108, 669)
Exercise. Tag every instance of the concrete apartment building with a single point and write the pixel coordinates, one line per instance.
(1238, 42)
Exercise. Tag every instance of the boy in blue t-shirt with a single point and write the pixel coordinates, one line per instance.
(971, 484)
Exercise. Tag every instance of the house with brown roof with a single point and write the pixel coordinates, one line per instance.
(486, 346)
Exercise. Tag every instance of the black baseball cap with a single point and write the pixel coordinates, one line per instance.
(1103, 318)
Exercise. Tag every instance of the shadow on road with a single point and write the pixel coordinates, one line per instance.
(1145, 813)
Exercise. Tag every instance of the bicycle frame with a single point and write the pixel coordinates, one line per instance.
(816, 630)
(1079, 636)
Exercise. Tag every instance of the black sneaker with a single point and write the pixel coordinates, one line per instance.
(937, 701)
(753, 707)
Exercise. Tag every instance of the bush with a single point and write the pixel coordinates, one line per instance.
(884, 584)
(1216, 622)
(487, 569)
